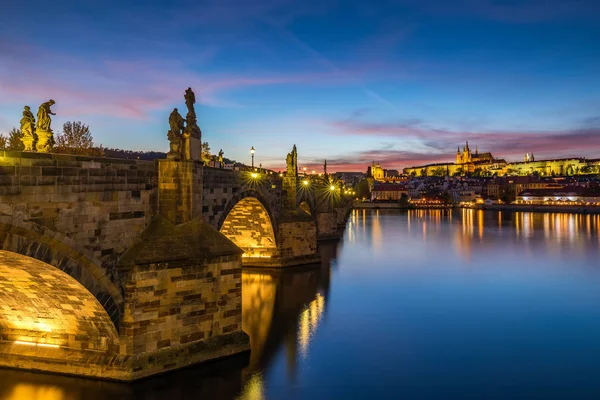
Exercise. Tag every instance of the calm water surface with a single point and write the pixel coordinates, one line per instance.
(417, 305)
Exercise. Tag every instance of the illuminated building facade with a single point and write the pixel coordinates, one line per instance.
(468, 162)
(388, 191)
(560, 196)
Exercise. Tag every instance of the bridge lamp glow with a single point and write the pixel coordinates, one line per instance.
(281, 175)
(305, 182)
(332, 188)
(254, 175)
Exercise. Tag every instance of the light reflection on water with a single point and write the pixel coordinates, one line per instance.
(419, 304)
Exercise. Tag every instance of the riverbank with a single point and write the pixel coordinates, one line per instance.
(544, 208)
(395, 206)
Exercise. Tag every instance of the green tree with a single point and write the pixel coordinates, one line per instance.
(3, 142)
(206, 156)
(76, 138)
(403, 200)
(13, 140)
(440, 171)
(362, 190)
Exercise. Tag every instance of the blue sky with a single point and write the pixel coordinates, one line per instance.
(400, 82)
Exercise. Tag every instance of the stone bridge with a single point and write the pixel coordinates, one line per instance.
(121, 269)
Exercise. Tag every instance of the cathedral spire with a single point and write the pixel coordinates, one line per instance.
(476, 150)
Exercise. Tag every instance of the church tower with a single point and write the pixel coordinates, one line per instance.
(467, 155)
(458, 156)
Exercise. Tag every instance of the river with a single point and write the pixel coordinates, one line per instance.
(422, 304)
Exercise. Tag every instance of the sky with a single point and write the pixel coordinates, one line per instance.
(400, 82)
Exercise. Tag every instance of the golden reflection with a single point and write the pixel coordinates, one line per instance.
(480, 223)
(258, 302)
(26, 391)
(254, 389)
(309, 321)
(557, 227)
(281, 310)
(376, 233)
(364, 221)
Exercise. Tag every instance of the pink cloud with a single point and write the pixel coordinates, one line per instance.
(439, 145)
(131, 88)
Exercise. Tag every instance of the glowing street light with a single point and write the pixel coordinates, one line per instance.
(332, 187)
(252, 153)
(254, 175)
(305, 182)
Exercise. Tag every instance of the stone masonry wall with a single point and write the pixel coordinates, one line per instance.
(224, 188)
(100, 203)
(248, 225)
(327, 223)
(174, 312)
(180, 190)
(297, 240)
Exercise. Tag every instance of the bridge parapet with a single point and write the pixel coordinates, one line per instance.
(100, 203)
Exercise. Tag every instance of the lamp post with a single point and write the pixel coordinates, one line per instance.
(252, 153)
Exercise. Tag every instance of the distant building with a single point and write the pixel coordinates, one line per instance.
(486, 165)
(378, 174)
(388, 191)
(563, 196)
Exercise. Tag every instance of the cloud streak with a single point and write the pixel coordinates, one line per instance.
(438, 145)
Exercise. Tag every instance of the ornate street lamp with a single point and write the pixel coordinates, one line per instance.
(252, 153)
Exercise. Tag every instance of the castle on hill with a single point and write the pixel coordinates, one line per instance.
(485, 164)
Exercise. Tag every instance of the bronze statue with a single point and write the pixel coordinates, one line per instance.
(221, 156)
(43, 131)
(27, 129)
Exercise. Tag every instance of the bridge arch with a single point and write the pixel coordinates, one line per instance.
(44, 309)
(61, 252)
(248, 221)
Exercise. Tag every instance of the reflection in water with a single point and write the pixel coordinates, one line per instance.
(498, 296)
(309, 321)
(281, 310)
(518, 229)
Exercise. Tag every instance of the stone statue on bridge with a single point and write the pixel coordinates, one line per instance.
(192, 145)
(176, 127)
(292, 162)
(221, 156)
(27, 129)
(43, 131)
